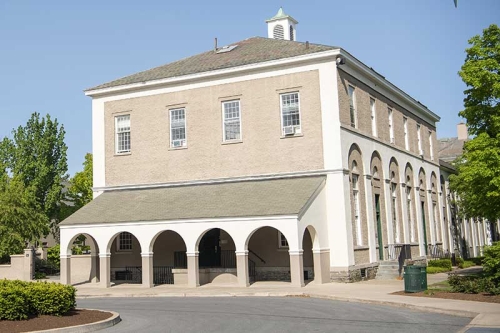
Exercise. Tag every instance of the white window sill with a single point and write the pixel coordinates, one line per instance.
(123, 154)
(292, 136)
(178, 148)
(231, 142)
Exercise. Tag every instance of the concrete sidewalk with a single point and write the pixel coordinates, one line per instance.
(485, 315)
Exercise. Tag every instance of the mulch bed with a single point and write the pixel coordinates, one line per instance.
(448, 295)
(72, 318)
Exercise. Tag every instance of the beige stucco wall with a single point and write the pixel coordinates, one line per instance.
(206, 157)
(14, 271)
(83, 268)
(164, 247)
(363, 94)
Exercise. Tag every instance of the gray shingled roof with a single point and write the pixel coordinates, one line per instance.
(239, 199)
(450, 148)
(249, 51)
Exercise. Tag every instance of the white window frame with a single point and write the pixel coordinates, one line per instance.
(437, 227)
(119, 247)
(353, 112)
(184, 141)
(405, 127)
(357, 212)
(224, 120)
(419, 141)
(391, 125)
(282, 241)
(118, 132)
(431, 146)
(297, 128)
(373, 109)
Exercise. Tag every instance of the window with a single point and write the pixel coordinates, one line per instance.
(395, 224)
(357, 218)
(374, 116)
(125, 241)
(419, 141)
(391, 127)
(292, 38)
(122, 130)
(290, 114)
(410, 214)
(282, 242)
(352, 106)
(177, 128)
(405, 127)
(232, 123)
(431, 148)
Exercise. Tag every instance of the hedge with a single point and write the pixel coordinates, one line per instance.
(19, 299)
(466, 264)
(472, 284)
(443, 263)
(435, 270)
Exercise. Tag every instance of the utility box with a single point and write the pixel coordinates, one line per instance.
(415, 278)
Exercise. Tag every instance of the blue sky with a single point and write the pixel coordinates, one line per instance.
(50, 51)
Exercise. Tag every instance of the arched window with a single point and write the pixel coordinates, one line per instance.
(278, 32)
(291, 33)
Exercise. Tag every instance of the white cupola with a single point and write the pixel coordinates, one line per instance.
(282, 26)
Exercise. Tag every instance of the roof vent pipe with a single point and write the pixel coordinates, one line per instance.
(215, 46)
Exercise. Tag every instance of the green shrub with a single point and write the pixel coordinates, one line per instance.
(443, 263)
(435, 270)
(491, 262)
(20, 299)
(478, 261)
(466, 264)
(459, 261)
(53, 255)
(13, 304)
(40, 275)
(472, 284)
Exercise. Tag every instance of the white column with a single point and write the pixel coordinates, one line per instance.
(105, 270)
(404, 212)
(388, 212)
(372, 242)
(473, 237)
(296, 268)
(339, 219)
(193, 269)
(432, 225)
(147, 270)
(419, 220)
(65, 269)
(94, 278)
(444, 226)
(242, 268)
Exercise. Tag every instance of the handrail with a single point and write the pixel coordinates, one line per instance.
(255, 254)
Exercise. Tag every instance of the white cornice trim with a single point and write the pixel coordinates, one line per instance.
(412, 104)
(219, 180)
(182, 221)
(215, 73)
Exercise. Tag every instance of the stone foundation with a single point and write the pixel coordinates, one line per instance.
(354, 273)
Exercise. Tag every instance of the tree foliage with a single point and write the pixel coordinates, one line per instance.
(21, 218)
(36, 155)
(79, 189)
(478, 180)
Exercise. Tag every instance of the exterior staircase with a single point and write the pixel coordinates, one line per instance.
(388, 270)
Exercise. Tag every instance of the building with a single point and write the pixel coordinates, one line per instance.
(468, 236)
(266, 159)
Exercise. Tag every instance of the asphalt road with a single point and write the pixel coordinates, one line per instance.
(266, 314)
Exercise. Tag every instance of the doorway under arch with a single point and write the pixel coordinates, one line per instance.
(125, 260)
(217, 257)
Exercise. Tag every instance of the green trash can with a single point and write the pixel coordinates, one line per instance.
(415, 279)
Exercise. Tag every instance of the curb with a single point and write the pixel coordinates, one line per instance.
(92, 327)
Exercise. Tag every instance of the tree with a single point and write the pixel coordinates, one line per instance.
(477, 183)
(36, 155)
(21, 219)
(79, 189)
(481, 74)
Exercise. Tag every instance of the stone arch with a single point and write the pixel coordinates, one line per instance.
(424, 208)
(359, 223)
(410, 203)
(434, 209)
(394, 196)
(115, 235)
(169, 253)
(84, 262)
(310, 241)
(379, 208)
(268, 254)
(376, 169)
(94, 246)
(125, 251)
